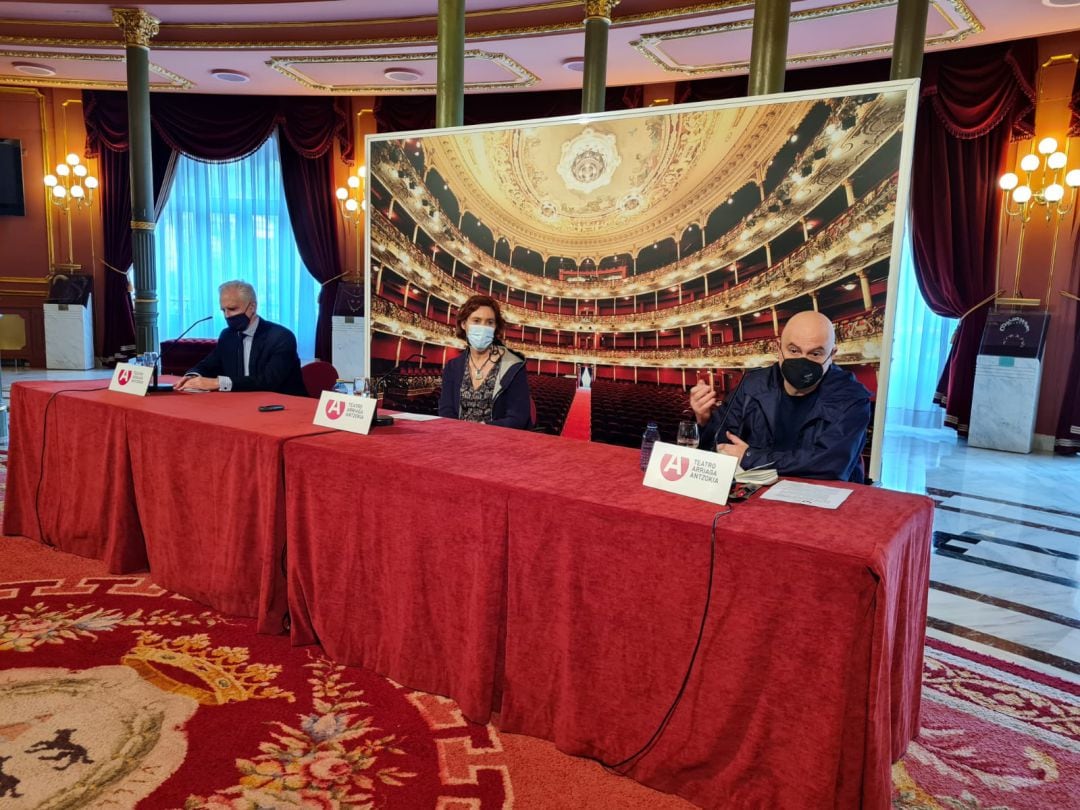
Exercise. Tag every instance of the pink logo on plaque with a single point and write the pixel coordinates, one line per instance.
(124, 377)
(334, 409)
(674, 467)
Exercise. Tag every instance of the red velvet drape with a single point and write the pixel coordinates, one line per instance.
(218, 128)
(1074, 108)
(110, 145)
(1067, 437)
(973, 102)
(400, 114)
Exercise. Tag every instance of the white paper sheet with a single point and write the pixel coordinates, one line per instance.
(807, 494)
(413, 417)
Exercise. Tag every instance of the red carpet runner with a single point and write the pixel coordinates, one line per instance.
(578, 423)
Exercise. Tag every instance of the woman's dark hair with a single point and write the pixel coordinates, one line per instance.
(473, 304)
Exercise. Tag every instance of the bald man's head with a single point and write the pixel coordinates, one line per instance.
(809, 335)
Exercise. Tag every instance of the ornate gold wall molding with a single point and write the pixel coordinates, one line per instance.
(285, 65)
(175, 81)
(46, 150)
(963, 23)
(137, 26)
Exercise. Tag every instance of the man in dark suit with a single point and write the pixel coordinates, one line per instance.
(252, 354)
(802, 416)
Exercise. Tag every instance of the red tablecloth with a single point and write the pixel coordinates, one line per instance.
(404, 544)
(190, 483)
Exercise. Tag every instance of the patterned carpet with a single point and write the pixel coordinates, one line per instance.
(116, 692)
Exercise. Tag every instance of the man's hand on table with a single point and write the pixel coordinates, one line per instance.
(197, 384)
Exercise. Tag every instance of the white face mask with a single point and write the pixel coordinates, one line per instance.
(480, 337)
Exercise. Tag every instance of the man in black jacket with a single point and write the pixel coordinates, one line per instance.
(252, 354)
(802, 416)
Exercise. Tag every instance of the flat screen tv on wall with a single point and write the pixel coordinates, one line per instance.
(11, 179)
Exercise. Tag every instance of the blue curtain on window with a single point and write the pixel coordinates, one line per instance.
(920, 347)
(225, 221)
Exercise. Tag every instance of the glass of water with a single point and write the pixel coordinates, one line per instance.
(688, 434)
(364, 387)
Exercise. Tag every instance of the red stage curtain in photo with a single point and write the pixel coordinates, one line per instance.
(973, 102)
(218, 128)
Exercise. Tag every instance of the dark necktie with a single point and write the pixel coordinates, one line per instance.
(240, 356)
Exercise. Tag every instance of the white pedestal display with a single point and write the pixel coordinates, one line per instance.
(69, 336)
(347, 344)
(1004, 403)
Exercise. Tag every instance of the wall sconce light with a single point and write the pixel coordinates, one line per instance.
(72, 184)
(351, 197)
(351, 203)
(1047, 185)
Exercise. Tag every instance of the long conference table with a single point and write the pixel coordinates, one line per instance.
(532, 579)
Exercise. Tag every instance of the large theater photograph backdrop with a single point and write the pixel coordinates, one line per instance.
(636, 252)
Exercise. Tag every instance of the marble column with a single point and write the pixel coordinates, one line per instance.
(909, 39)
(594, 81)
(450, 65)
(768, 47)
(138, 28)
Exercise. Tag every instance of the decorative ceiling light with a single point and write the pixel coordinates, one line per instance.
(33, 69)
(851, 285)
(575, 64)
(401, 74)
(588, 161)
(230, 76)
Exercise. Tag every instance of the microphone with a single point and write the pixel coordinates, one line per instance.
(385, 421)
(154, 384)
(726, 404)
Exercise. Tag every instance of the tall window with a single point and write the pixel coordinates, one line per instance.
(920, 348)
(224, 221)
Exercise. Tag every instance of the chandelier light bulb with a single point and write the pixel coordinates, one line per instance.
(59, 192)
(50, 180)
(77, 192)
(1047, 145)
(1008, 181)
(1072, 179)
(1057, 161)
(63, 170)
(1054, 192)
(351, 205)
(72, 159)
(362, 171)
(1021, 194)
(80, 170)
(1029, 163)
(91, 183)
(343, 194)
(353, 181)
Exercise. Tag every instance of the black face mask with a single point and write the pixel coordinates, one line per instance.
(802, 373)
(238, 322)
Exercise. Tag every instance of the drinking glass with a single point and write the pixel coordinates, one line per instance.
(688, 434)
(364, 387)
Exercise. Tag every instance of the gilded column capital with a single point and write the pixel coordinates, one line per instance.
(138, 26)
(599, 9)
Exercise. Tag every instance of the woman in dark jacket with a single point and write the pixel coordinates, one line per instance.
(487, 382)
